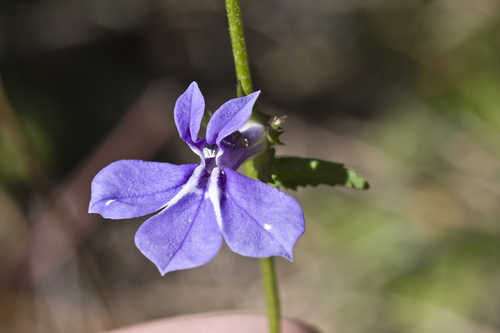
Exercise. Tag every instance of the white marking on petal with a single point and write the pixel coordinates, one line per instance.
(214, 194)
(220, 152)
(191, 186)
(267, 227)
(109, 202)
(209, 153)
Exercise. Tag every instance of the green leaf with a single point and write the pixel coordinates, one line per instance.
(291, 172)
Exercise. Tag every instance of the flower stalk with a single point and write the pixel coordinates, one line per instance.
(272, 294)
(239, 46)
(245, 87)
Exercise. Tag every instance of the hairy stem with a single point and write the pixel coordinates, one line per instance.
(245, 87)
(239, 46)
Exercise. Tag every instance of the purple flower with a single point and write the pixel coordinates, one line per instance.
(199, 205)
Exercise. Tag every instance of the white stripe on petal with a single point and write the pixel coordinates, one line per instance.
(191, 186)
(214, 194)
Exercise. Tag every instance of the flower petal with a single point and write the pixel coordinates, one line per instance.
(182, 236)
(188, 113)
(132, 188)
(230, 117)
(257, 220)
(235, 149)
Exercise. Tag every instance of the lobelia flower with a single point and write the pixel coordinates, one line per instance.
(200, 205)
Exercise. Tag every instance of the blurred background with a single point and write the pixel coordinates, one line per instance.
(405, 92)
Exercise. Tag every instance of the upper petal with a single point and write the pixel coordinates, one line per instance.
(132, 188)
(184, 235)
(230, 117)
(188, 113)
(257, 220)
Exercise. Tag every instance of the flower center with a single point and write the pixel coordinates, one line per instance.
(209, 156)
(210, 151)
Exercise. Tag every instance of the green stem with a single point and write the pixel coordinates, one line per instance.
(272, 295)
(245, 87)
(239, 46)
